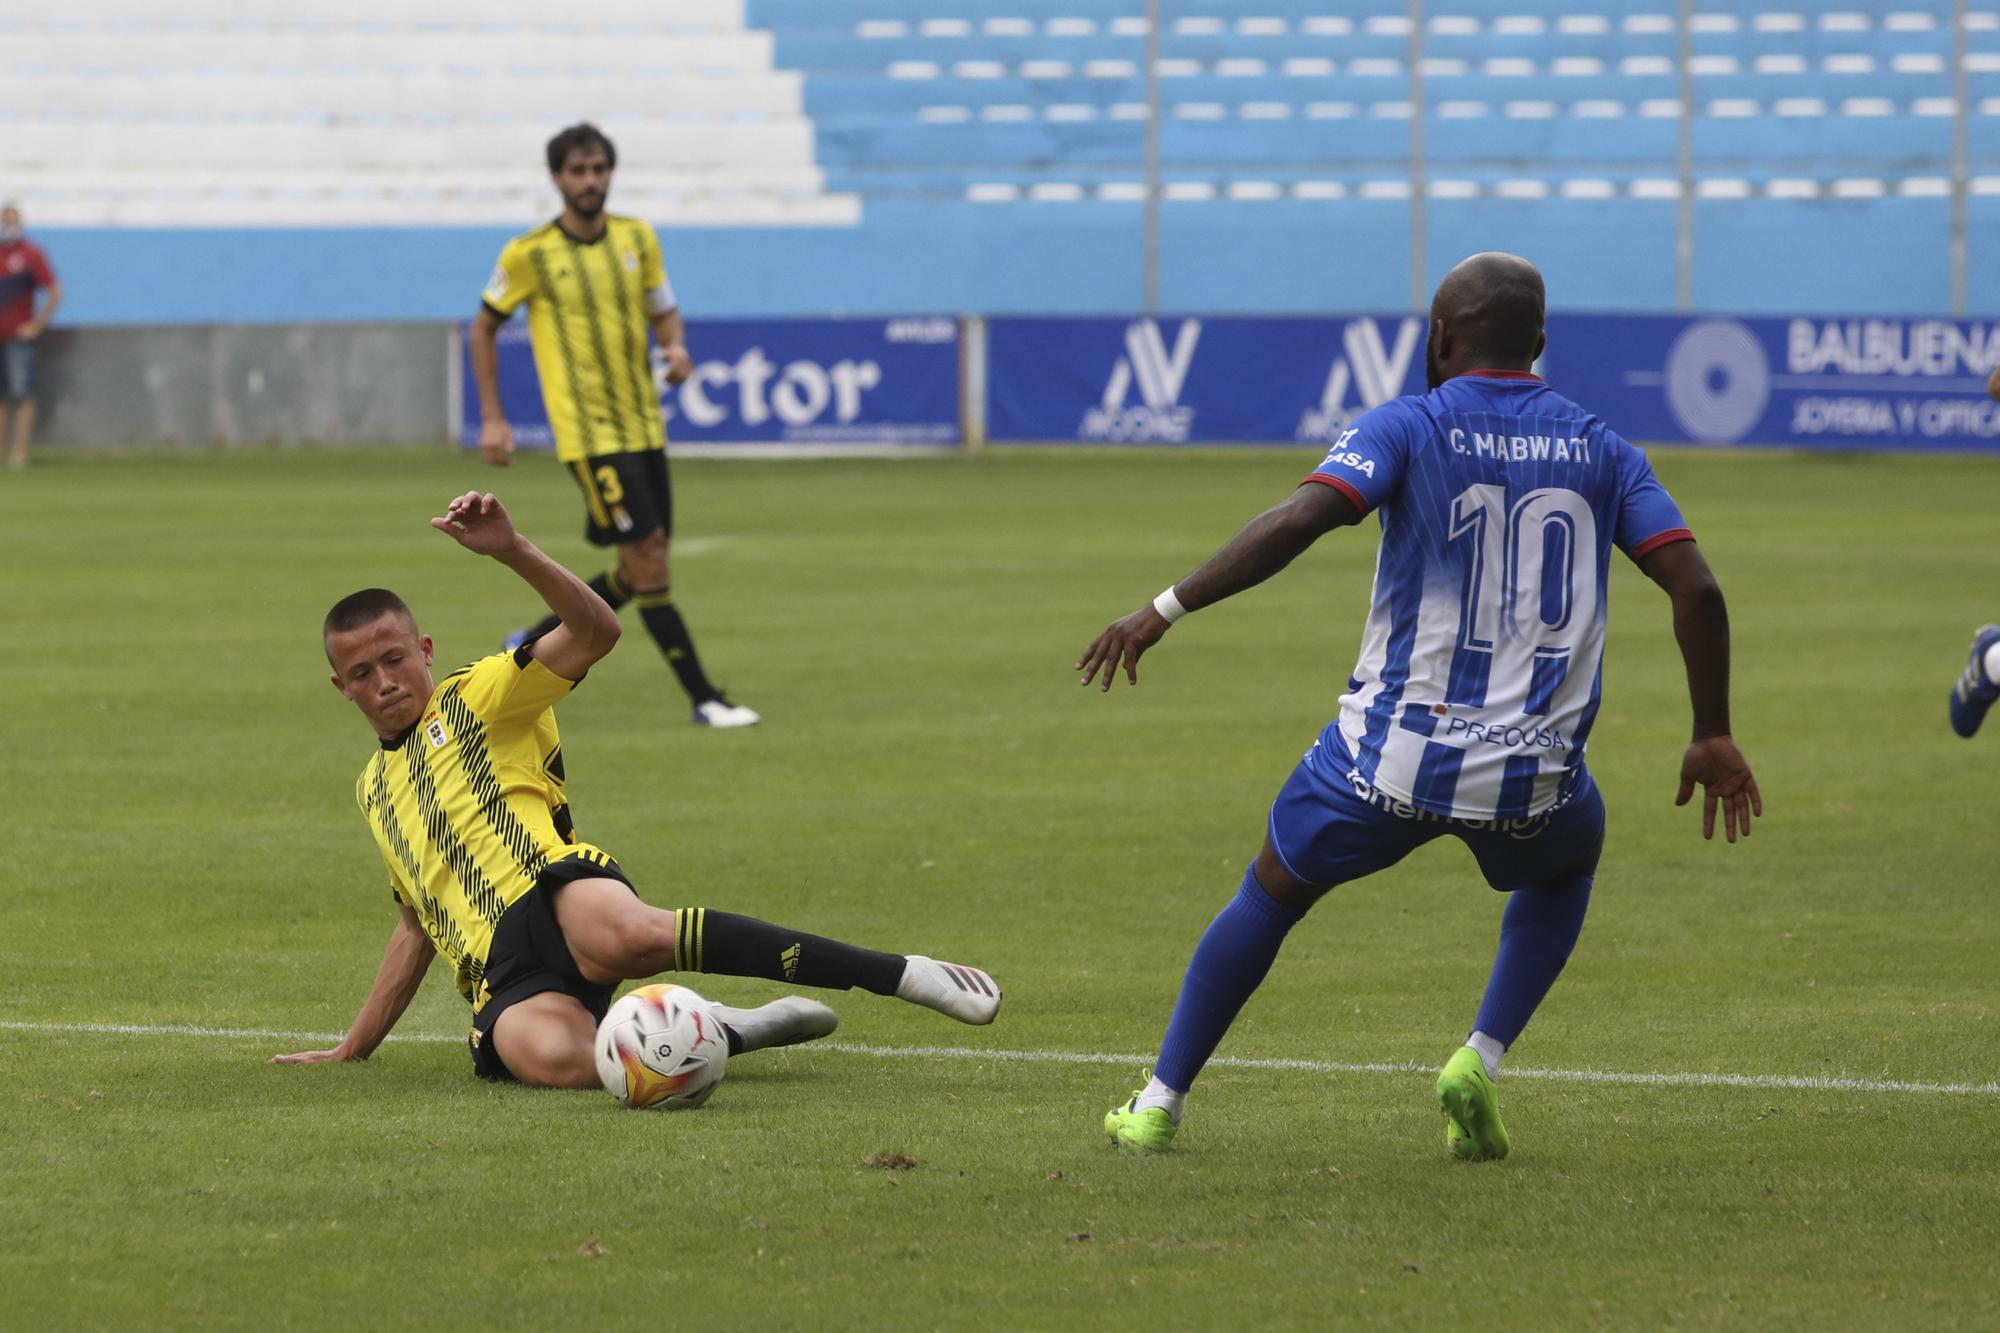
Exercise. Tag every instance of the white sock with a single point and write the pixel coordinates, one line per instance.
(1991, 663)
(1160, 1095)
(1490, 1052)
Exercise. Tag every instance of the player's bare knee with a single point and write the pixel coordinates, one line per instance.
(550, 1062)
(571, 1067)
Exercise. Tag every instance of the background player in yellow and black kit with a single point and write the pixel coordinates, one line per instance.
(594, 283)
(465, 799)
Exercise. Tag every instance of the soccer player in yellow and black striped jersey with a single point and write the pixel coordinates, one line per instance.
(594, 283)
(466, 802)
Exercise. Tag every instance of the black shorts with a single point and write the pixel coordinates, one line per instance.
(625, 496)
(529, 955)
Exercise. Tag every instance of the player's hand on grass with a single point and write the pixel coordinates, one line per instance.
(1725, 778)
(1122, 644)
(496, 442)
(478, 522)
(334, 1056)
(679, 364)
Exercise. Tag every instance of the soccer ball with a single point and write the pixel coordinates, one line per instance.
(661, 1048)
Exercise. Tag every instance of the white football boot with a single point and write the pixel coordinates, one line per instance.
(785, 1022)
(957, 991)
(721, 713)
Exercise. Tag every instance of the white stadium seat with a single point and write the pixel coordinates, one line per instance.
(397, 111)
(417, 92)
(135, 143)
(712, 14)
(63, 49)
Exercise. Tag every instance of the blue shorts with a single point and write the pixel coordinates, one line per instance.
(17, 369)
(1327, 833)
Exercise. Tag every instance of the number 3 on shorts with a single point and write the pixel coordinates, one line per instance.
(608, 484)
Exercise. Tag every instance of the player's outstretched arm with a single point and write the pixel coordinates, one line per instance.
(496, 437)
(1701, 625)
(404, 963)
(589, 629)
(1266, 545)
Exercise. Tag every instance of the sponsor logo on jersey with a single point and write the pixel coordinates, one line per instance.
(1522, 826)
(1513, 736)
(1372, 371)
(1343, 456)
(1159, 374)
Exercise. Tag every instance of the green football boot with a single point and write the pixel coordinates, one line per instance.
(1150, 1130)
(1473, 1130)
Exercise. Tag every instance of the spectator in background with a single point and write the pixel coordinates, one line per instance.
(24, 270)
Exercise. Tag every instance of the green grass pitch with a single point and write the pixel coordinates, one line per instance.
(184, 852)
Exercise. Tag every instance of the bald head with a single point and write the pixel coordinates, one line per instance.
(1486, 315)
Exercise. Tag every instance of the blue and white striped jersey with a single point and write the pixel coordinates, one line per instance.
(1500, 501)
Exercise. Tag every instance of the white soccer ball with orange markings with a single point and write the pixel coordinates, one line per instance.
(661, 1048)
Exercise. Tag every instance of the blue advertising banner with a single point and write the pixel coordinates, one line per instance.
(1806, 382)
(1810, 382)
(1193, 379)
(797, 381)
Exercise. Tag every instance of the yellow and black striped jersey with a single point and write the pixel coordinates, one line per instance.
(468, 806)
(588, 303)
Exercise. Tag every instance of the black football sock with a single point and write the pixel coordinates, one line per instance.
(741, 946)
(664, 623)
(606, 585)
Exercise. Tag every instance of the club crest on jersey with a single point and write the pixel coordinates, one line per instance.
(435, 733)
(631, 258)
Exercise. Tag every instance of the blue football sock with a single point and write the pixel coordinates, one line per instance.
(1228, 964)
(1537, 931)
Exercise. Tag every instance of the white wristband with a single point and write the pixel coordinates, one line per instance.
(1169, 606)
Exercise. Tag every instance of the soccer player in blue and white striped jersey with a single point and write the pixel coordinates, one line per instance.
(1470, 708)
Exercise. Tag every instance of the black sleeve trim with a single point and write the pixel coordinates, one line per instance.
(524, 655)
(502, 315)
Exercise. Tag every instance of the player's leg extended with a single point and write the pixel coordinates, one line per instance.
(613, 936)
(643, 566)
(1231, 960)
(546, 1041)
(1321, 835)
(1538, 930)
(642, 563)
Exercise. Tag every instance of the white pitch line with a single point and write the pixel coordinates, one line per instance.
(1772, 1082)
(1776, 1082)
